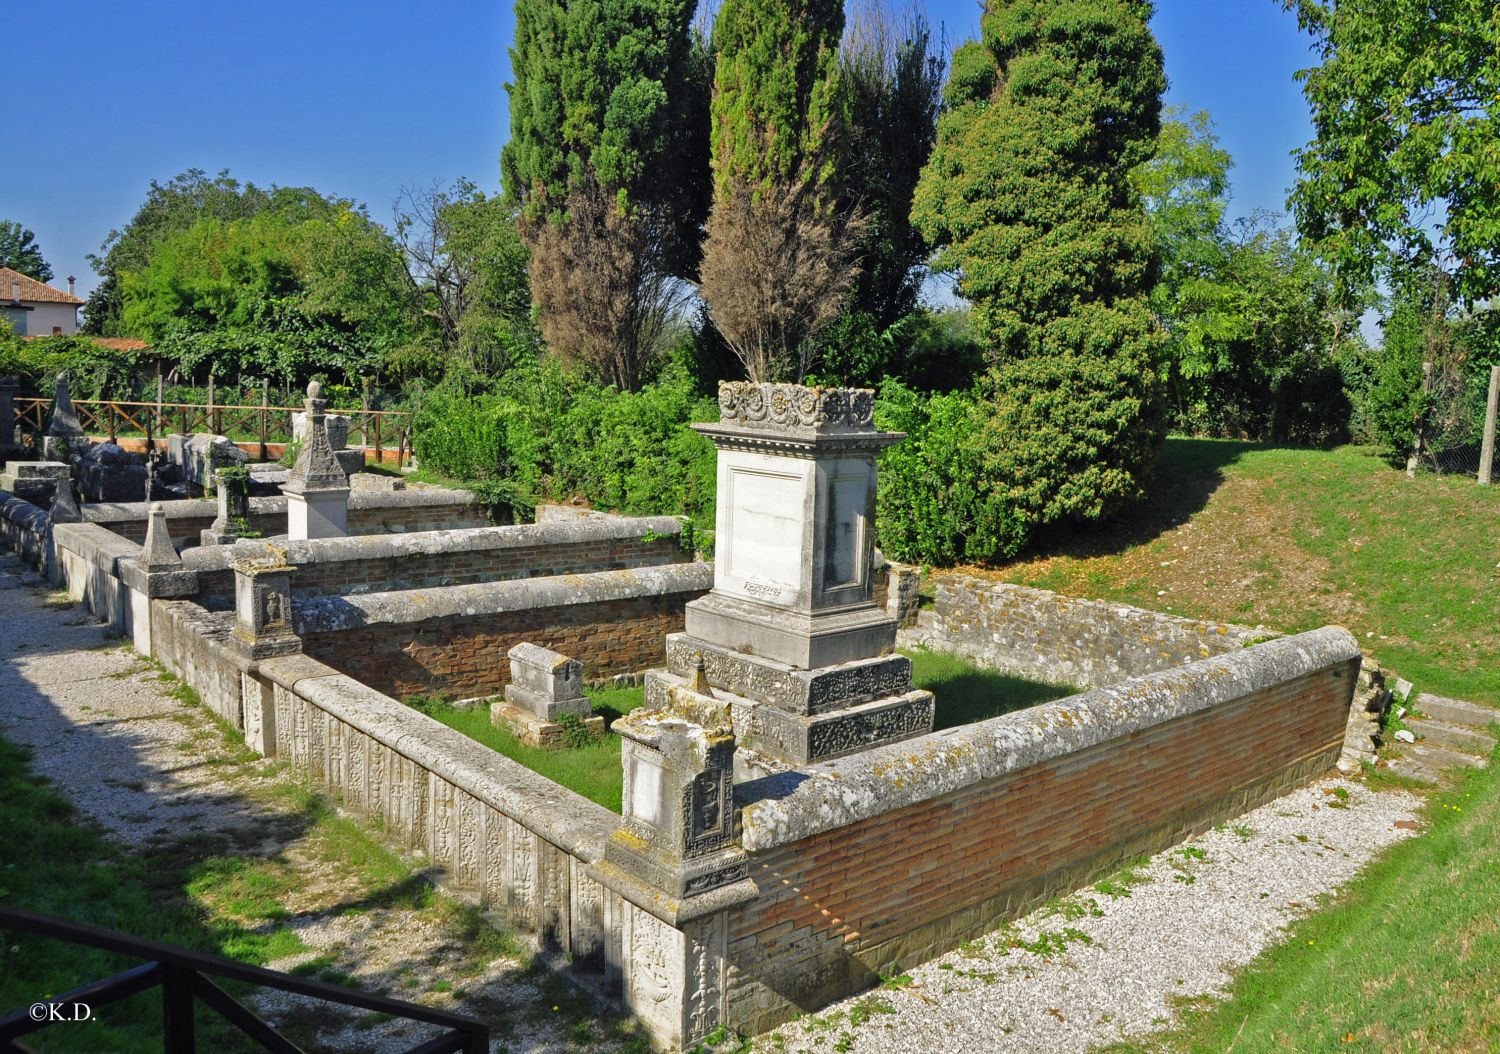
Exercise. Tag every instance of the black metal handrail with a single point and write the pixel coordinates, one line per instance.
(183, 977)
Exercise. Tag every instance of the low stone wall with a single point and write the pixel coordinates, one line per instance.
(371, 511)
(351, 566)
(454, 640)
(24, 528)
(87, 562)
(890, 857)
(1048, 637)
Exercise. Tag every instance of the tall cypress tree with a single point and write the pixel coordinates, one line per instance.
(608, 160)
(1028, 200)
(776, 260)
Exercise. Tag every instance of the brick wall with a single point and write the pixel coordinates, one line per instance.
(465, 656)
(424, 570)
(904, 886)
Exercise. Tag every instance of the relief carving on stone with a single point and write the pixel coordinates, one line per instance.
(523, 871)
(795, 406)
(468, 840)
(708, 952)
(650, 946)
(850, 733)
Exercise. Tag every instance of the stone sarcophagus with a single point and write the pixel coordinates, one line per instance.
(790, 637)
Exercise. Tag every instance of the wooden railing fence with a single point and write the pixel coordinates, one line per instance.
(379, 431)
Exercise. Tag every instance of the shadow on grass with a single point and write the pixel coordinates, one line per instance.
(966, 694)
(1186, 476)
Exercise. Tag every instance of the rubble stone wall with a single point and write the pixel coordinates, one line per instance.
(896, 855)
(1056, 639)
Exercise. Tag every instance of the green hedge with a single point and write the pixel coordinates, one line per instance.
(548, 435)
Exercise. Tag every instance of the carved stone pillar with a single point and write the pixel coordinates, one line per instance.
(263, 602)
(791, 637)
(233, 495)
(157, 573)
(318, 492)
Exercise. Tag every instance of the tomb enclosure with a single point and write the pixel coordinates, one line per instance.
(791, 826)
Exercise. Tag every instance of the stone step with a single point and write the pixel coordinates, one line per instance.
(1441, 758)
(1455, 711)
(1459, 737)
(1411, 769)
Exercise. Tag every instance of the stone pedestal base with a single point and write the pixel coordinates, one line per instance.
(537, 731)
(35, 481)
(317, 513)
(790, 637)
(801, 739)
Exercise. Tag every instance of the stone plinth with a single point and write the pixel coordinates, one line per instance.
(36, 481)
(233, 495)
(791, 638)
(318, 491)
(545, 682)
(200, 454)
(263, 602)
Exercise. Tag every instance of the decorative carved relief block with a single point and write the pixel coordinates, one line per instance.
(492, 890)
(466, 868)
(706, 979)
(524, 895)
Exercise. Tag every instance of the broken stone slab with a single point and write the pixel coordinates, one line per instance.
(197, 456)
(36, 481)
(108, 472)
(540, 732)
(337, 425)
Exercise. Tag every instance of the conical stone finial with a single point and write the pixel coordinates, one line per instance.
(698, 679)
(158, 554)
(316, 467)
(64, 417)
(64, 505)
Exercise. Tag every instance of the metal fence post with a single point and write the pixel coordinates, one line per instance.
(1487, 451)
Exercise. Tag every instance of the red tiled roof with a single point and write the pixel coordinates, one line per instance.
(121, 343)
(32, 291)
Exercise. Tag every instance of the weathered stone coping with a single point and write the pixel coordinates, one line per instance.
(98, 545)
(450, 541)
(23, 514)
(568, 820)
(808, 801)
(331, 614)
(127, 511)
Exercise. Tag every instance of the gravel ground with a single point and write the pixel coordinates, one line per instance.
(1192, 916)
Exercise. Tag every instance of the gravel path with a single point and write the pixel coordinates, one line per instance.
(1174, 929)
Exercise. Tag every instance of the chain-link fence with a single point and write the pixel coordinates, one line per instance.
(1453, 432)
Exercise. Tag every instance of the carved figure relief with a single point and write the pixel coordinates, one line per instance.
(650, 973)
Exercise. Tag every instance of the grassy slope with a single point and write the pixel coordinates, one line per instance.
(1297, 539)
(1407, 957)
(964, 694)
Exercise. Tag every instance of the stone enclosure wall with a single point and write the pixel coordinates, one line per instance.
(371, 511)
(879, 859)
(359, 565)
(891, 857)
(1056, 639)
(453, 641)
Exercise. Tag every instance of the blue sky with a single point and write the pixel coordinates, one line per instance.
(359, 99)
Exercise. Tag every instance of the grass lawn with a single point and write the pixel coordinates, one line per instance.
(964, 692)
(1297, 539)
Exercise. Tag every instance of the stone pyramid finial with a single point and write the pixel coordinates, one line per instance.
(64, 417)
(64, 505)
(158, 554)
(316, 467)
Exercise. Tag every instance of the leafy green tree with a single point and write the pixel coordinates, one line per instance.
(1028, 201)
(1255, 335)
(20, 252)
(467, 264)
(607, 161)
(1403, 168)
(169, 208)
(777, 258)
(891, 89)
(308, 284)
